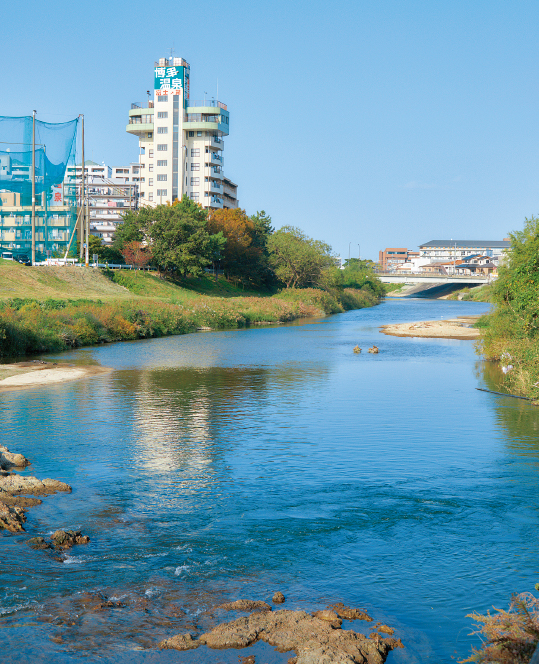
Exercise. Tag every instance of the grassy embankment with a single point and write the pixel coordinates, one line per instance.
(56, 308)
(476, 294)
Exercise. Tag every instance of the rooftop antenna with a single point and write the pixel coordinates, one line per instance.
(171, 52)
(217, 89)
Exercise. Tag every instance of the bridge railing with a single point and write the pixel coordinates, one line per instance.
(437, 276)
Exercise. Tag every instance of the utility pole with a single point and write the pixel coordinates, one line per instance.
(359, 251)
(34, 187)
(349, 245)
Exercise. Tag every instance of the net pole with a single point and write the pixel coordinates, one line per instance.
(33, 187)
(82, 192)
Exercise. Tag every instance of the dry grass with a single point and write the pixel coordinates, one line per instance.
(509, 637)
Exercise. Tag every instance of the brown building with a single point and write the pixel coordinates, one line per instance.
(392, 256)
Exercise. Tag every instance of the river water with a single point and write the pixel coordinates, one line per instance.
(217, 466)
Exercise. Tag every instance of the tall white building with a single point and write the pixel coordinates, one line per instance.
(180, 140)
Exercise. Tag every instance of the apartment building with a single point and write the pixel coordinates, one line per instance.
(452, 250)
(230, 194)
(181, 141)
(55, 219)
(390, 257)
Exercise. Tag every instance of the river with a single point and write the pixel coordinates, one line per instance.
(227, 465)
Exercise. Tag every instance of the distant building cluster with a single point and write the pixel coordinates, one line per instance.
(446, 257)
(181, 145)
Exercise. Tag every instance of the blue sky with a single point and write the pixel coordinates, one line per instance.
(382, 123)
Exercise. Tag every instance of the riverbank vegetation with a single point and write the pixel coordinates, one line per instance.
(511, 331)
(476, 294)
(29, 326)
(509, 637)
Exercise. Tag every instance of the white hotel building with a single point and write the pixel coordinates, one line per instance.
(181, 142)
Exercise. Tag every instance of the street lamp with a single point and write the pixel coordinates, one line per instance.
(349, 245)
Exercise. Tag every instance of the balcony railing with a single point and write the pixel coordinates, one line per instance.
(141, 119)
(207, 102)
(202, 117)
(142, 104)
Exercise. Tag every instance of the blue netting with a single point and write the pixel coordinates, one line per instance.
(55, 146)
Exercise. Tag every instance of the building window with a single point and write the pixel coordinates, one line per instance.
(161, 192)
(150, 168)
(195, 167)
(150, 197)
(162, 130)
(191, 134)
(162, 147)
(150, 182)
(195, 152)
(199, 133)
(150, 134)
(161, 162)
(206, 193)
(161, 177)
(150, 154)
(162, 98)
(195, 182)
(162, 114)
(194, 196)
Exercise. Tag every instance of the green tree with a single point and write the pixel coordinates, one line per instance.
(263, 273)
(105, 254)
(178, 237)
(132, 229)
(516, 291)
(297, 260)
(360, 274)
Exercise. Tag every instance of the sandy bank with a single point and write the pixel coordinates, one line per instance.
(453, 328)
(31, 374)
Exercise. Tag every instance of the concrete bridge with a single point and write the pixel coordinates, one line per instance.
(422, 278)
(432, 285)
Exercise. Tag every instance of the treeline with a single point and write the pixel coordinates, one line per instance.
(511, 331)
(184, 239)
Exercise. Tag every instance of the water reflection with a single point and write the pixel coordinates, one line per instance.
(519, 419)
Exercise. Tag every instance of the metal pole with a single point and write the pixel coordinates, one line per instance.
(359, 251)
(82, 192)
(349, 245)
(87, 234)
(34, 187)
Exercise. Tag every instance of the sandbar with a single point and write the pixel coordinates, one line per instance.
(451, 328)
(22, 375)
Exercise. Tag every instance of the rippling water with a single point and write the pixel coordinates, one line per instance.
(222, 465)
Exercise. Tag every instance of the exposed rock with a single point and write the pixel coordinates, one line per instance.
(347, 613)
(65, 539)
(16, 484)
(278, 598)
(245, 605)
(313, 640)
(327, 615)
(385, 629)
(10, 460)
(11, 518)
(38, 543)
(20, 501)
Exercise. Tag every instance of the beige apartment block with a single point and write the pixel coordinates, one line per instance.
(181, 141)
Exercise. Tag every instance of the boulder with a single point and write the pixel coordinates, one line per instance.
(278, 598)
(12, 518)
(65, 539)
(10, 460)
(16, 484)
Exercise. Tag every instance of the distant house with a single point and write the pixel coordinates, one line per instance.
(477, 265)
(392, 256)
